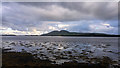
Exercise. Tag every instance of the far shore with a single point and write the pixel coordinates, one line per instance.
(66, 35)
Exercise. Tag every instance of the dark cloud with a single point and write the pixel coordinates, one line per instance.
(44, 16)
(69, 11)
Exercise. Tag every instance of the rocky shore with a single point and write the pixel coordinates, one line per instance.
(18, 59)
(46, 54)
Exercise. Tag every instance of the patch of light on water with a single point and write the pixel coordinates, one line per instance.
(61, 52)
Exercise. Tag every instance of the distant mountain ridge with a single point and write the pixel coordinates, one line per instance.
(67, 33)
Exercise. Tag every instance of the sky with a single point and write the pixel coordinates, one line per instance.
(35, 18)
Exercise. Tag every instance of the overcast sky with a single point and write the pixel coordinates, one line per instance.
(26, 18)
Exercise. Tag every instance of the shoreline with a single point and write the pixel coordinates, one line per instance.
(66, 35)
(19, 59)
(72, 54)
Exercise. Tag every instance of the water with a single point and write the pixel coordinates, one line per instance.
(63, 49)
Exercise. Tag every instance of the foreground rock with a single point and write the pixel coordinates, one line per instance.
(18, 59)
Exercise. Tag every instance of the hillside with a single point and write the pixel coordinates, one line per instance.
(67, 33)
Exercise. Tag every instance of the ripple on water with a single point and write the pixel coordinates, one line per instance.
(61, 52)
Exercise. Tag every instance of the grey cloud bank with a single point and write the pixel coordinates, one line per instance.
(42, 17)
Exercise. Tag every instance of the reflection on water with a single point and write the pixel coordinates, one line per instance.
(64, 49)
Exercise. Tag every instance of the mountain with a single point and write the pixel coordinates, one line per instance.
(67, 33)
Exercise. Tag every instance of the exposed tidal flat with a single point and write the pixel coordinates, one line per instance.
(61, 51)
